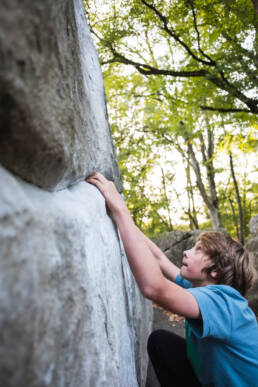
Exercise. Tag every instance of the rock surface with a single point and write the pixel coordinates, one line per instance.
(252, 247)
(174, 243)
(71, 314)
(53, 118)
(254, 225)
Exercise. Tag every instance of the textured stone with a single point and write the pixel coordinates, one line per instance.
(174, 243)
(252, 247)
(53, 119)
(254, 225)
(71, 313)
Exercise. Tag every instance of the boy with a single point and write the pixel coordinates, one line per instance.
(222, 331)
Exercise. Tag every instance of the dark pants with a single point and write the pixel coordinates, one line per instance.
(167, 352)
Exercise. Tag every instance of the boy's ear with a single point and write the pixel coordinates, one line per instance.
(213, 274)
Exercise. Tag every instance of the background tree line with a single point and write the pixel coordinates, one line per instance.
(181, 81)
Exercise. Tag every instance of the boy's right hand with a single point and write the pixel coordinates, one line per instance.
(113, 199)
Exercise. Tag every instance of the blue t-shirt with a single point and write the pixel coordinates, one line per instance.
(226, 338)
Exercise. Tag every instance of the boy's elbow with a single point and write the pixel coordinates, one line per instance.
(151, 291)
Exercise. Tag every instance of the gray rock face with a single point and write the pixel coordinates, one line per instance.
(71, 314)
(174, 243)
(252, 247)
(254, 225)
(53, 118)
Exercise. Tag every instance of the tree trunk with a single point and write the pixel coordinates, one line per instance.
(255, 4)
(235, 221)
(166, 199)
(210, 202)
(241, 235)
(210, 171)
(191, 205)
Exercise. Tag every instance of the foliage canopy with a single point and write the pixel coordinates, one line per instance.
(181, 76)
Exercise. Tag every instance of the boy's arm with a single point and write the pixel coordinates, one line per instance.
(143, 264)
(167, 267)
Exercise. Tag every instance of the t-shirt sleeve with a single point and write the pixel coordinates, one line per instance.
(183, 282)
(216, 310)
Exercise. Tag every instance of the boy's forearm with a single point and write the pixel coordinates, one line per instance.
(143, 264)
(147, 272)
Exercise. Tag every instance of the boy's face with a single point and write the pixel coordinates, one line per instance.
(194, 260)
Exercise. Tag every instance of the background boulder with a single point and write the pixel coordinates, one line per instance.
(174, 243)
(252, 247)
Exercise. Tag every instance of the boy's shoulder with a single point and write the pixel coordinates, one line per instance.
(224, 311)
(224, 290)
(220, 301)
(221, 295)
(217, 289)
(223, 301)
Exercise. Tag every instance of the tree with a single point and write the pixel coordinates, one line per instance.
(174, 108)
(240, 231)
(246, 143)
(191, 210)
(209, 39)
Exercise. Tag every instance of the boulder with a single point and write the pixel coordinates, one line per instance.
(252, 247)
(71, 313)
(254, 225)
(53, 117)
(174, 243)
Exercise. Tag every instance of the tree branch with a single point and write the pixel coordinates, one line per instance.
(198, 34)
(224, 110)
(221, 83)
(174, 35)
(150, 70)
